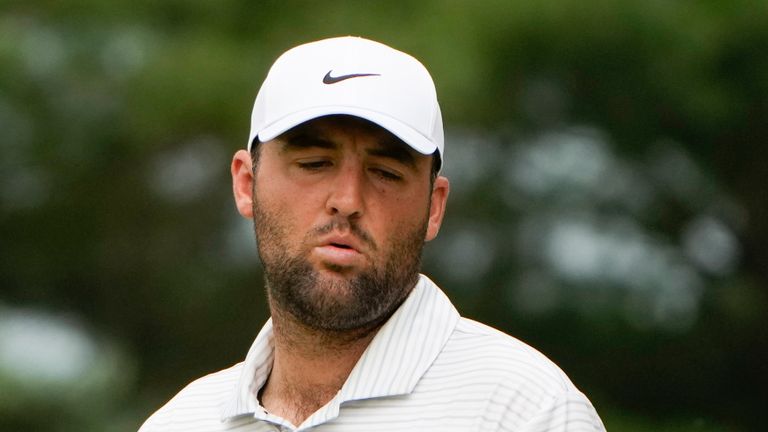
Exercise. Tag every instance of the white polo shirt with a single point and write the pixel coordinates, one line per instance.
(427, 369)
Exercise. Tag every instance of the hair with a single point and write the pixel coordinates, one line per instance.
(437, 162)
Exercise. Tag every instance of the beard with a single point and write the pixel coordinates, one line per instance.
(338, 304)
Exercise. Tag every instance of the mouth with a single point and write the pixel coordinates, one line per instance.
(340, 245)
(339, 251)
(341, 241)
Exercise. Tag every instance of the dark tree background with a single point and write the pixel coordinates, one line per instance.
(608, 205)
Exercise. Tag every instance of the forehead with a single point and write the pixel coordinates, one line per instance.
(326, 127)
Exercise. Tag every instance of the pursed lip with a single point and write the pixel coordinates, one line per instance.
(338, 252)
(341, 241)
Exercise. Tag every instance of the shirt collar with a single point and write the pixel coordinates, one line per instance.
(398, 356)
(255, 371)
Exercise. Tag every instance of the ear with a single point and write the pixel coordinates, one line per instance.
(437, 206)
(242, 182)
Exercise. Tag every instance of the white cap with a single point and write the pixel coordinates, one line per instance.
(353, 76)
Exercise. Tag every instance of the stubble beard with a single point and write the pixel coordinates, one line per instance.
(336, 304)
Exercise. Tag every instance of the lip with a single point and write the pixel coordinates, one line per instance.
(339, 250)
(341, 241)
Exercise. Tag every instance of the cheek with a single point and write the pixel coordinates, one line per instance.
(291, 213)
(403, 213)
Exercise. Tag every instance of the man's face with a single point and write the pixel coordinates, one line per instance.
(341, 210)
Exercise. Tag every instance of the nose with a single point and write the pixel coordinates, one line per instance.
(345, 198)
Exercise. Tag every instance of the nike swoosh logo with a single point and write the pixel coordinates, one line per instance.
(328, 79)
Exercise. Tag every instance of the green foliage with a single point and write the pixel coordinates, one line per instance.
(607, 161)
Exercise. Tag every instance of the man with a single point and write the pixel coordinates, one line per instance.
(342, 182)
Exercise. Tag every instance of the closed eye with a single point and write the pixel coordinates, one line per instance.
(386, 174)
(314, 165)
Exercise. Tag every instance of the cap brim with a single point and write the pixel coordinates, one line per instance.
(410, 136)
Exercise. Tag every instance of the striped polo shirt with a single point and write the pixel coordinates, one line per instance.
(427, 369)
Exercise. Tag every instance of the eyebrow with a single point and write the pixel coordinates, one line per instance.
(390, 147)
(303, 140)
(394, 149)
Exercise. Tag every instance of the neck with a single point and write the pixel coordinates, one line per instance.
(310, 366)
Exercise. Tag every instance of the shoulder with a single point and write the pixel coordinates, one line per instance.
(516, 384)
(198, 403)
(488, 354)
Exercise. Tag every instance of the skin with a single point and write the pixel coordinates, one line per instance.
(344, 201)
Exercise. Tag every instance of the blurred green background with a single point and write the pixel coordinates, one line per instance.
(608, 167)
